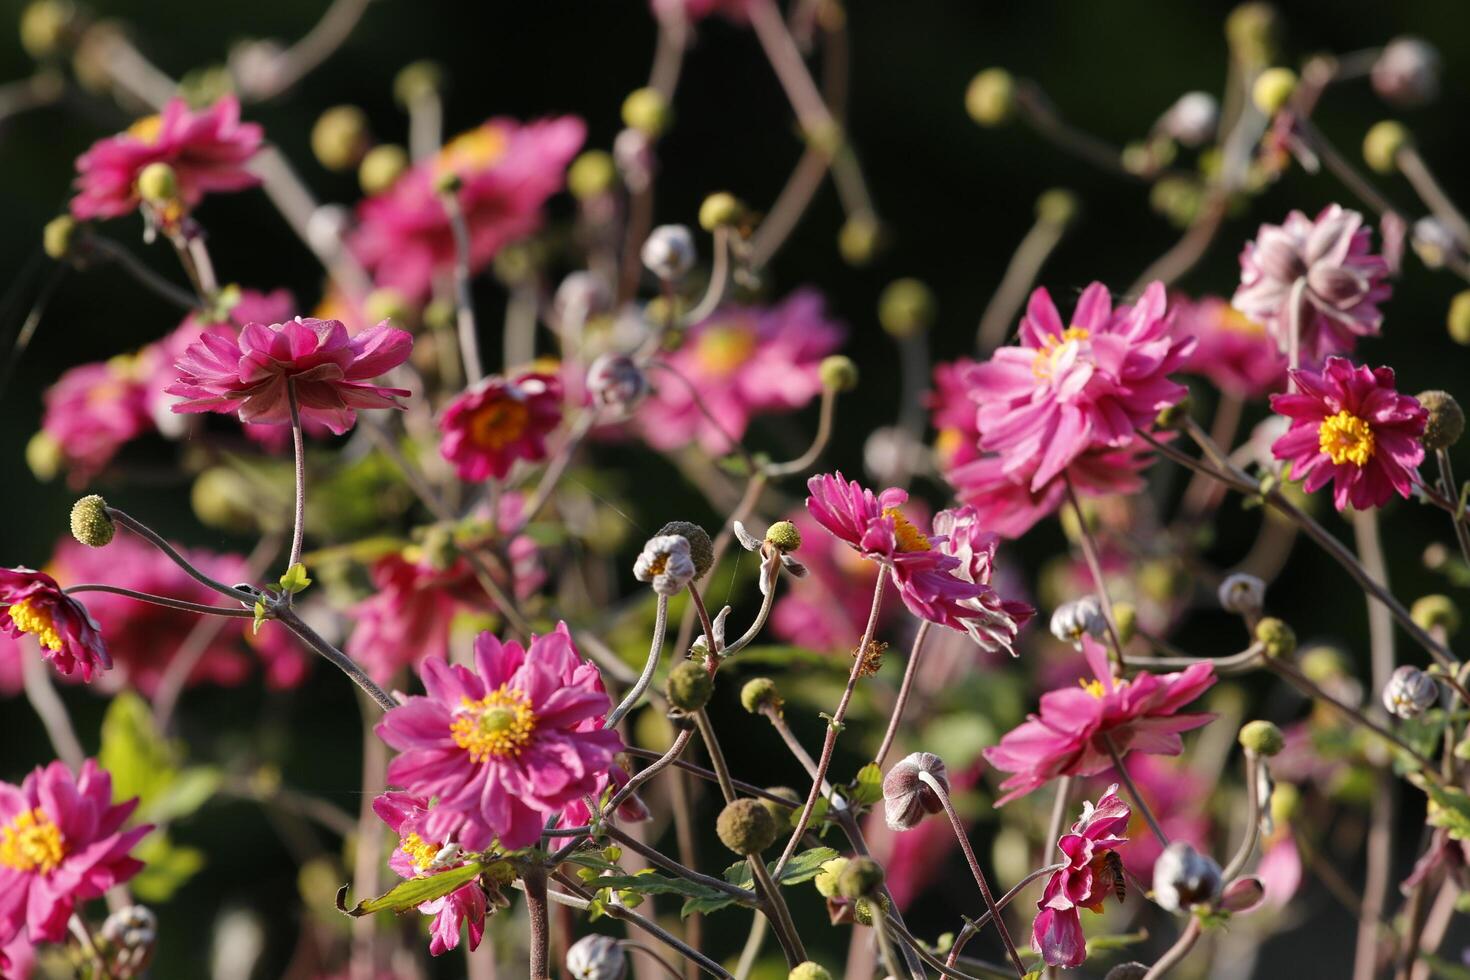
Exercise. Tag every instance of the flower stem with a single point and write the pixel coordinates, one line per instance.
(964, 839)
(203, 609)
(1094, 566)
(535, 879)
(41, 693)
(973, 926)
(340, 660)
(885, 944)
(1177, 952)
(152, 536)
(1253, 806)
(464, 304)
(904, 689)
(716, 755)
(655, 651)
(298, 529)
(775, 907)
(1447, 485)
(1025, 265)
(1138, 800)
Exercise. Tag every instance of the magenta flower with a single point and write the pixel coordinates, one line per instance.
(1004, 498)
(31, 602)
(1233, 351)
(207, 150)
(1066, 389)
(1343, 282)
(417, 857)
(507, 171)
(1349, 426)
(92, 410)
(1070, 734)
(499, 421)
(247, 375)
(144, 638)
(503, 747)
(997, 620)
(741, 362)
(953, 414)
(828, 607)
(61, 843)
(1089, 877)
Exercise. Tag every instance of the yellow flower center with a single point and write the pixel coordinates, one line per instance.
(499, 724)
(1345, 438)
(909, 537)
(1093, 687)
(499, 424)
(1237, 322)
(721, 350)
(146, 130)
(475, 150)
(29, 617)
(422, 852)
(1045, 361)
(660, 562)
(32, 843)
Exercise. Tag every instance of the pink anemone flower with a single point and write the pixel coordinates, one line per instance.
(61, 844)
(248, 375)
(505, 746)
(499, 421)
(417, 857)
(507, 170)
(1072, 733)
(208, 151)
(1233, 351)
(1066, 389)
(1327, 266)
(31, 602)
(1351, 427)
(1091, 873)
(997, 620)
(92, 411)
(952, 412)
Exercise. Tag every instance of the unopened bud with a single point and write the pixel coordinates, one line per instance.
(157, 183)
(1382, 144)
(760, 693)
(1278, 639)
(701, 548)
(861, 878)
(1058, 207)
(1407, 72)
(1436, 611)
(689, 686)
(47, 27)
(615, 381)
(826, 879)
(906, 308)
(784, 536)
(838, 373)
(1458, 319)
(746, 827)
(1072, 620)
(668, 252)
(1433, 242)
(596, 957)
(1409, 692)
(416, 81)
(1446, 421)
(1191, 120)
(1184, 878)
(44, 456)
(1262, 738)
(340, 138)
(647, 111)
(591, 175)
(720, 210)
(991, 97)
(381, 168)
(1272, 88)
(907, 797)
(59, 236)
(809, 971)
(1242, 594)
(859, 239)
(90, 522)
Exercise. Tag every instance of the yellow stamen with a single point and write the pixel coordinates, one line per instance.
(475, 150)
(721, 350)
(499, 424)
(32, 843)
(29, 617)
(1345, 438)
(1093, 687)
(146, 129)
(909, 537)
(1045, 361)
(422, 852)
(1237, 322)
(499, 724)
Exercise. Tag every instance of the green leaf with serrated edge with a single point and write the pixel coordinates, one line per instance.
(652, 883)
(802, 867)
(868, 787)
(295, 580)
(412, 893)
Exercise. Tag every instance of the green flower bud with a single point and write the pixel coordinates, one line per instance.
(782, 814)
(1446, 420)
(746, 827)
(862, 910)
(689, 686)
(47, 27)
(90, 522)
(1058, 207)
(1125, 617)
(1458, 319)
(591, 175)
(381, 166)
(860, 239)
(701, 548)
(416, 80)
(44, 456)
(906, 308)
(1272, 88)
(783, 536)
(860, 879)
(157, 183)
(1278, 639)
(809, 971)
(838, 373)
(991, 97)
(760, 693)
(1262, 738)
(1252, 30)
(1382, 144)
(720, 210)
(1436, 610)
(339, 138)
(647, 111)
(222, 498)
(59, 236)
(826, 879)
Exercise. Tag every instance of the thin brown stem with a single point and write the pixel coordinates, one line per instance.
(298, 528)
(1138, 798)
(1177, 952)
(464, 303)
(905, 688)
(1094, 566)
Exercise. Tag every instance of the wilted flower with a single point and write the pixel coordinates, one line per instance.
(31, 602)
(1091, 874)
(596, 957)
(666, 563)
(499, 421)
(1410, 692)
(1349, 426)
(1343, 282)
(906, 796)
(1081, 617)
(1183, 877)
(1407, 72)
(997, 620)
(668, 251)
(1242, 594)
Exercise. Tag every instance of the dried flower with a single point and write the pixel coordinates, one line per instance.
(906, 796)
(872, 657)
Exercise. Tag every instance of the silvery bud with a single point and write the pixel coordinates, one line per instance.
(580, 295)
(633, 156)
(1074, 619)
(1409, 692)
(907, 797)
(1242, 594)
(665, 562)
(1192, 119)
(1433, 242)
(1183, 877)
(668, 252)
(596, 957)
(1407, 72)
(615, 381)
(130, 935)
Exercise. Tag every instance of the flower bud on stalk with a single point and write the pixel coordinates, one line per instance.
(758, 694)
(1192, 119)
(1446, 421)
(991, 97)
(1457, 319)
(1436, 611)
(1410, 692)
(839, 373)
(1382, 144)
(721, 210)
(591, 175)
(669, 251)
(616, 382)
(1407, 72)
(340, 138)
(689, 686)
(906, 308)
(381, 167)
(1183, 878)
(59, 237)
(1272, 88)
(906, 797)
(1242, 594)
(861, 877)
(1072, 620)
(809, 971)
(647, 111)
(1262, 738)
(1278, 638)
(746, 827)
(596, 957)
(90, 522)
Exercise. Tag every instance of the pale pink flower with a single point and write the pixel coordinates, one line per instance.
(997, 620)
(92, 410)
(1086, 881)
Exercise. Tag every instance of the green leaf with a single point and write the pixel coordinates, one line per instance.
(1112, 941)
(594, 860)
(140, 760)
(260, 612)
(295, 580)
(869, 785)
(1449, 807)
(413, 892)
(802, 867)
(166, 868)
(651, 883)
(186, 793)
